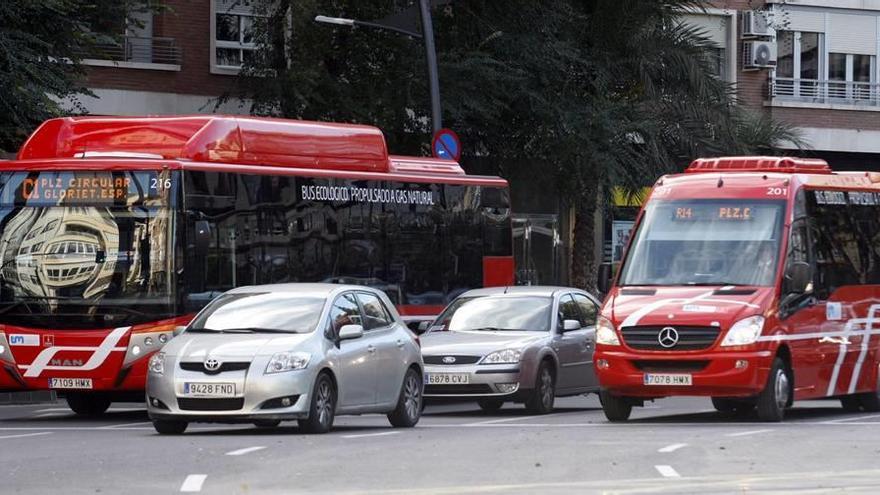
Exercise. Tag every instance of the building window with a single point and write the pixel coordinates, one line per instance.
(799, 63)
(232, 24)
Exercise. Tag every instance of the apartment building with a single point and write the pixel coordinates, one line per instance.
(175, 61)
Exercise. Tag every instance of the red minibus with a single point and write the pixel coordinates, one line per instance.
(115, 231)
(751, 280)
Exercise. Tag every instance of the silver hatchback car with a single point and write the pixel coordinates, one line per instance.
(519, 344)
(265, 354)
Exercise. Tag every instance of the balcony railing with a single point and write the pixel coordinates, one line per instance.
(818, 91)
(137, 49)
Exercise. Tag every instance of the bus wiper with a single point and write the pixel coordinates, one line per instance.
(712, 284)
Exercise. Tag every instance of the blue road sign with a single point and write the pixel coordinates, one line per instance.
(446, 145)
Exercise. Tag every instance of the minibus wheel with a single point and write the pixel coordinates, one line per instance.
(85, 404)
(871, 401)
(615, 408)
(773, 400)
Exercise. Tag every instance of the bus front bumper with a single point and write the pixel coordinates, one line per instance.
(712, 374)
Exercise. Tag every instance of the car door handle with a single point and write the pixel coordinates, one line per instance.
(371, 348)
(835, 340)
(400, 343)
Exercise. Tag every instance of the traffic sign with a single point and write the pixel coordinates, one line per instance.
(446, 145)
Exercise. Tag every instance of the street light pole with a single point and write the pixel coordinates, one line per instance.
(431, 59)
(427, 35)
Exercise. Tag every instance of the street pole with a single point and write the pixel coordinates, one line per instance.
(431, 57)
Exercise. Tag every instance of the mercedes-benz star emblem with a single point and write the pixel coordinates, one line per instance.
(449, 359)
(668, 337)
(212, 364)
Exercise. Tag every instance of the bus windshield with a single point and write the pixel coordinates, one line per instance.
(82, 250)
(706, 242)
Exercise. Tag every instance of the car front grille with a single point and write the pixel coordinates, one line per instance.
(190, 404)
(458, 389)
(656, 366)
(689, 338)
(438, 359)
(228, 366)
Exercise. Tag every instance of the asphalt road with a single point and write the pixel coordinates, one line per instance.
(674, 446)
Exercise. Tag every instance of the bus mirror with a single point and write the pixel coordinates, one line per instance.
(203, 237)
(100, 256)
(604, 284)
(798, 276)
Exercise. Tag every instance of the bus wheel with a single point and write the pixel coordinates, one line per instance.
(616, 408)
(773, 400)
(851, 403)
(870, 401)
(88, 404)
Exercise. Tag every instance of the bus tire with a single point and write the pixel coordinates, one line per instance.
(89, 405)
(851, 403)
(773, 400)
(870, 401)
(616, 408)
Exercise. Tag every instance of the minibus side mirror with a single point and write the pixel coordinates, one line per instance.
(202, 237)
(797, 276)
(604, 282)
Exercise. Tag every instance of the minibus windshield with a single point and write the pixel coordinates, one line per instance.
(706, 242)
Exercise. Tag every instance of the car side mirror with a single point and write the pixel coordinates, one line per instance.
(570, 325)
(604, 282)
(797, 274)
(349, 332)
(423, 327)
(178, 330)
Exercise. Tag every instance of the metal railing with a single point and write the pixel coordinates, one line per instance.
(138, 49)
(819, 91)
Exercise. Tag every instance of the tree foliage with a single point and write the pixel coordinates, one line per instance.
(593, 93)
(42, 44)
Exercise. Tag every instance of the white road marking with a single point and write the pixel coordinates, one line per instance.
(244, 451)
(125, 425)
(746, 433)
(672, 448)
(52, 409)
(503, 420)
(846, 420)
(667, 471)
(26, 435)
(193, 483)
(384, 433)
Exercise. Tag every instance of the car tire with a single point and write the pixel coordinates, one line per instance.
(542, 398)
(490, 404)
(89, 405)
(773, 400)
(409, 403)
(168, 427)
(616, 408)
(322, 409)
(267, 423)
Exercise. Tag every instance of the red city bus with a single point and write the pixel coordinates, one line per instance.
(754, 281)
(114, 231)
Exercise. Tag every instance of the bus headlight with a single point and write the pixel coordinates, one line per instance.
(744, 332)
(157, 363)
(605, 333)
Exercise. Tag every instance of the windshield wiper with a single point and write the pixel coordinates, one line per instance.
(711, 284)
(225, 330)
(493, 329)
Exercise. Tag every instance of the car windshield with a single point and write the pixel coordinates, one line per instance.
(260, 312)
(502, 313)
(706, 242)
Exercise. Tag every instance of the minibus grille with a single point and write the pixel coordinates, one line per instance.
(669, 366)
(690, 338)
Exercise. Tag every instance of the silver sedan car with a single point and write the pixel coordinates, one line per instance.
(519, 344)
(265, 354)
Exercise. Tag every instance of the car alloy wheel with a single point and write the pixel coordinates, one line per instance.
(324, 403)
(413, 396)
(547, 395)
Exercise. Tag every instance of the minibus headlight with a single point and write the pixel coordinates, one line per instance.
(288, 361)
(744, 332)
(605, 333)
(157, 363)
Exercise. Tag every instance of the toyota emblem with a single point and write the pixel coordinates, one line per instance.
(212, 364)
(448, 359)
(667, 337)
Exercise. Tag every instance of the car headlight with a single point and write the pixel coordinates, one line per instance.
(157, 363)
(605, 333)
(288, 361)
(507, 356)
(745, 331)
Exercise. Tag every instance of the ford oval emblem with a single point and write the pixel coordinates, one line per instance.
(448, 359)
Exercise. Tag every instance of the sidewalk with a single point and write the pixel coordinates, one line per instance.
(27, 397)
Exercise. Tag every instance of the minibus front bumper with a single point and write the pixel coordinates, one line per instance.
(712, 374)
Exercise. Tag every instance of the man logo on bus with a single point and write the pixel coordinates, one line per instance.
(668, 337)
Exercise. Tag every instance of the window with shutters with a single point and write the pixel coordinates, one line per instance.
(232, 29)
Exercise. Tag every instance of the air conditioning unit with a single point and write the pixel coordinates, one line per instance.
(755, 24)
(759, 54)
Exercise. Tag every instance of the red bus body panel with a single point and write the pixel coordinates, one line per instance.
(821, 368)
